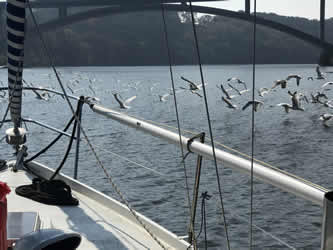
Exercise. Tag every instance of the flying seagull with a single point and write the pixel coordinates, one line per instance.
(325, 118)
(237, 80)
(263, 91)
(317, 96)
(257, 105)
(326, 84)
(123, 104)
(193, 86)
(295, 99)
(297, 77)
(225, 91)
(230, 105)
(282, 83)
(42, 96)
(286, 106)
(163, 97)
(320, 75)
(240, 92)
(328, 104)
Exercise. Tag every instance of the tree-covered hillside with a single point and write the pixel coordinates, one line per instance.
(138, 39)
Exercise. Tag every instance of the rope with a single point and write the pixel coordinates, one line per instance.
(133, 162)
(209, 124)
(177, 114)
(252, 121)
(205, 196)
(86, 137)
(51, 143)
(69, 147)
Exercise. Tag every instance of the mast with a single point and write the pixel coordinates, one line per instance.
(15, 55)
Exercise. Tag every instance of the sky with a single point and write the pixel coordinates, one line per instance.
(302, 8)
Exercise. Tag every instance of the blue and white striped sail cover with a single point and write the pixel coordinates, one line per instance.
(15, 55)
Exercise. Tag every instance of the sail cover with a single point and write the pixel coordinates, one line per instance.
(15, 42)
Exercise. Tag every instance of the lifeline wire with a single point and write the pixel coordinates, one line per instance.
(252, 122)
(134, 213)
(176, 108)
(209, 125)
(249, 157)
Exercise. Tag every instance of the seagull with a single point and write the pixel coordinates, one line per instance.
(295, 99)
(195, 92)
(237, 80)
(257, 105)
(325, 118)
(283, 84)
(42, 96)
(70, 89)
(193, 86)
(320, 95)
(310, 78)
(263, 91)
(286, 106)
(163, 97)
(314, 99)
(297, 77)
(123, 104)
(91, 99)
(225, 91)
(320, 75)
(328, 104)
(326, 84)
(240, 92)
(230, 105)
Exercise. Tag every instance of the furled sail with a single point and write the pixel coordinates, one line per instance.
(15, 55)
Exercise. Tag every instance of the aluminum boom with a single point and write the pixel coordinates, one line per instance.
(269, 175)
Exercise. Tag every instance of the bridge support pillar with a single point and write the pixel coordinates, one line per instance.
(322, 20)
(247, 7)
(326, 57)
(62, 12)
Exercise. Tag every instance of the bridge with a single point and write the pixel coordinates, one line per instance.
(100, 8)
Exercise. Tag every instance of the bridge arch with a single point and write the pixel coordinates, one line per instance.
(100, 12)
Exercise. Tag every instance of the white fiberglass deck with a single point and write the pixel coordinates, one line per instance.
(101, 227)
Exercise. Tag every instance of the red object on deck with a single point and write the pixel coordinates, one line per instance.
(4, 190)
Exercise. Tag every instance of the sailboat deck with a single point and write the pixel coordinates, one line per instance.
(99, 226)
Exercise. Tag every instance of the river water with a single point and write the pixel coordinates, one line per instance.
(148, 170)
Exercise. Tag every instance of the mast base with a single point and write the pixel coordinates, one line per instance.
(16, 136)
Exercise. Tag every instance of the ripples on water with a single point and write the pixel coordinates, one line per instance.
(296, 142)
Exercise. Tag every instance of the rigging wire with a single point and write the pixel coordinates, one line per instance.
(51, 143)
(247, 156)
(252, 121)
(110, 179)
(209, 124)
(241, 218)
(176, 110)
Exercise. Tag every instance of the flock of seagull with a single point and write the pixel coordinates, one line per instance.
(232, 88)
(236, 87)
